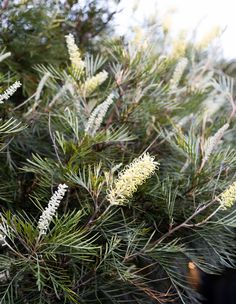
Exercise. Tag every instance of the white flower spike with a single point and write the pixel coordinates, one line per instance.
(213, 141)
(47, 215)
(10, 91)
(178, 72)
(97, 116)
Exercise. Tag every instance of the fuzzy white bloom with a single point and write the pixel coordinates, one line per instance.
(4, 56)
(212, 104)
(2, 236)
(74, 53)
(166, 23)
(97, 116)
(209, 37)
(133, 175)
(139, 41)
(228, 197)
(3, 231)
(4, 275)
(10, 91)
(41, 85)
(68, 86)
(178, 72)
(179, 45)
(213, 141)
(49, 212)
(92, 83)
(183, 121)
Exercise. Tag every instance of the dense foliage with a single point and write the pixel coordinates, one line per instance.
(33, 31)
(139, 144)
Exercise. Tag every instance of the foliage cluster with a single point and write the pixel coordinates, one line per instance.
(33, 32)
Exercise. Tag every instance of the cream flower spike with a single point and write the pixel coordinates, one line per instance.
(178, 72)
(47, 215)
(213, 141)
(74, 53)
(209, 37)
(228, 197)
(179, 45)
(93, 82)
(133, 175)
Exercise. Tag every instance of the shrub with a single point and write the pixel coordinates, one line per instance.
(140, 144)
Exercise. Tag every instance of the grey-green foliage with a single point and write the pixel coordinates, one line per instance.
(31, 30)
(95, 252)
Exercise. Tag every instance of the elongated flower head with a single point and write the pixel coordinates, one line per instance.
(47, 215)
(41, 85)
(2, 236)
(167, 23)
(214, 140)
(3, 231)
(10, 91)
(228, 197)
(97, 116)
(178, 72)
(133, 175)
(4, 56)
(179, 45)
(208, 38)
(4, 275)
(93, 82)
(74, 53)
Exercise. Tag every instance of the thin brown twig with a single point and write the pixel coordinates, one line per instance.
(185, 223)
